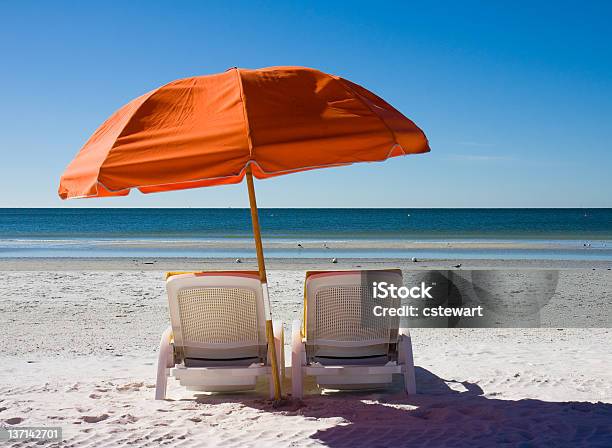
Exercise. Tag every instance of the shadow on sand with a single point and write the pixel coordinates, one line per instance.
(446, 413)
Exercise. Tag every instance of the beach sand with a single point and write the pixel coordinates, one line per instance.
(79, 351)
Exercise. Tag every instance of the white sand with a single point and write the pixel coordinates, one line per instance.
(79, 351)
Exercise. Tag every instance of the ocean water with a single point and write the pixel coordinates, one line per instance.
(539, 233)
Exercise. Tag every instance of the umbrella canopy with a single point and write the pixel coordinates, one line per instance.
(205, 130)
(217, 129)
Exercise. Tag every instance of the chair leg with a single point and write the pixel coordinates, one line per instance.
(165, 360)
(297, 349)
(279, 345)
(406, 360)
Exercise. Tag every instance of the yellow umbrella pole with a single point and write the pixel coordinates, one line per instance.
(264, 284)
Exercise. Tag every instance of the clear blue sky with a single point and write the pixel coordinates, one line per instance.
(515, 97)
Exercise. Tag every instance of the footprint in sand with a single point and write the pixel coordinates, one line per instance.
(130, 386)
(126, 418)
(14, 420)
(94, 418)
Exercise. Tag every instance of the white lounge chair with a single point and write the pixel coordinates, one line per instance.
(217, 338)
(341, 343)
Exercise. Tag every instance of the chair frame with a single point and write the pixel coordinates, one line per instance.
(216, 378)
(401, 360)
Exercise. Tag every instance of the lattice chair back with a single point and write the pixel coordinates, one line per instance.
(338, 314)
(217, 316)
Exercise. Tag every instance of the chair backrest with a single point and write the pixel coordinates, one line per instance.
(338, 317)
(217, 315)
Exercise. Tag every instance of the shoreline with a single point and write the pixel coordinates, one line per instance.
(331, 243)
(220, 249)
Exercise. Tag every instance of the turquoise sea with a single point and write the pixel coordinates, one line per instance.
(524, 233)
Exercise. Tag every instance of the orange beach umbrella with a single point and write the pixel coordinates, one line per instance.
(217, 129)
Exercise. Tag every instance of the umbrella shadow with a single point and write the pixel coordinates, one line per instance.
(453, 413)
(446, 413)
